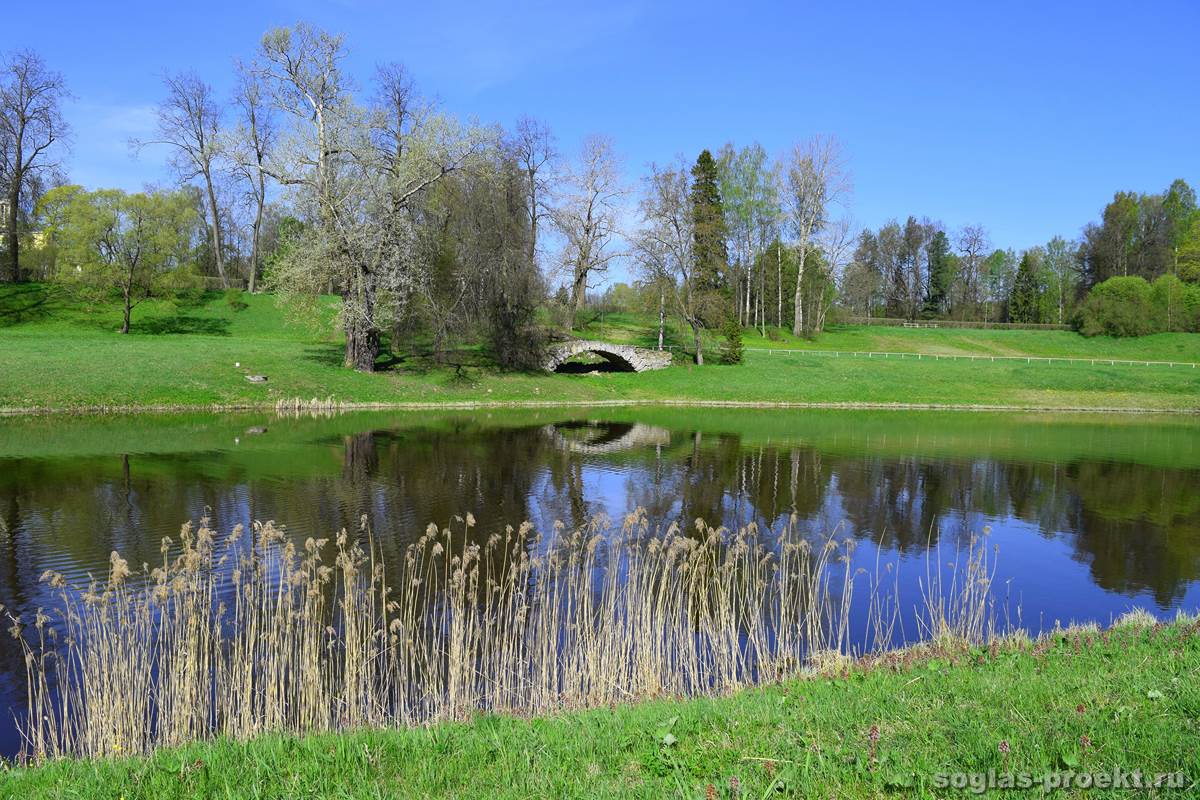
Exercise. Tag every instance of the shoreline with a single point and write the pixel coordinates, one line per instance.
(316, 405)
(896, 721)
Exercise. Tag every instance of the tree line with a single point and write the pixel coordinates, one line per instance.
(428, 227)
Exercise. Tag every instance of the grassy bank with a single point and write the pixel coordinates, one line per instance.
(54, 355)
(1081, 700)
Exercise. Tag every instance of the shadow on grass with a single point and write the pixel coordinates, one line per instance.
(461, 364)
(181, 324)
(27, 302)
(327, 355)
(334, 355)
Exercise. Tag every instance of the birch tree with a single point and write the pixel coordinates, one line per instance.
(1063, 265)
(817, 178)
(748, 197)
(32, 133)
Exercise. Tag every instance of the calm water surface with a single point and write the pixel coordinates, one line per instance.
(1090, 515)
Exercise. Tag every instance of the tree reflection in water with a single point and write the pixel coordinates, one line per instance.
(1081, 533)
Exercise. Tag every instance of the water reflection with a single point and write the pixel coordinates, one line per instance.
(1090, 519)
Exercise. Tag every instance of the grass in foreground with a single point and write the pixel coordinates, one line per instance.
(1079, 700)
(55, 356)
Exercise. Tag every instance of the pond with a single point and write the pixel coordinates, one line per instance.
(1088, 515)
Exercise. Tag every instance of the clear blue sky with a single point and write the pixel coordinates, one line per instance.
(1023, 116)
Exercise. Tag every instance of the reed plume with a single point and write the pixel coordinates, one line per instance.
(252, 632)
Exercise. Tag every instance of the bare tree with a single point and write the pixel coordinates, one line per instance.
(533, 145)
(250, 150)
(400, 118)
(587, 216)
(353, 173)
(189, 122)
(31, 130)
(836, 241)
(973, 247)
(816, 178)
(664, 246)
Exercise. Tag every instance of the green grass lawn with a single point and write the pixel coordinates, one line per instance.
(55, 355)
(1079, 701)
(641, 330)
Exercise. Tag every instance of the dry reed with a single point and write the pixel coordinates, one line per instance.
(251, 633)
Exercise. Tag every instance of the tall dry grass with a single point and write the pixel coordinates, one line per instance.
(250, 633)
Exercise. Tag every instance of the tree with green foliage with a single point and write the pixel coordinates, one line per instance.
(1187, 251)
(709, 229)
(1139, 234)
(1026, 292)
(779, 261)
(749, 195)
(1119, 306)
(1061, 262)
(1176, 305)
(999, 269)
(138, 245)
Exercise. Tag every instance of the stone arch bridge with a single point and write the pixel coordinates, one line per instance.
(637, 359)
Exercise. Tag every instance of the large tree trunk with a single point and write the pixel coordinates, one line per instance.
(128, 312)
(697, 344)
(257, 231)
(253, 279)
(578, 294)
(533, 231)
(12, 262)
(362, 347)
(218, 253)
(362, 338)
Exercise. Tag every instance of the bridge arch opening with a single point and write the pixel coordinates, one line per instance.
(593, 360)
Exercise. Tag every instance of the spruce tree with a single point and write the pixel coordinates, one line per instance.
(709, 244)
(941, 274)
(1023, 302)
(731, 349)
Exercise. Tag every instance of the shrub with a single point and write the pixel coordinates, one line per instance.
(233, 298)
(1118, 307)
(731, 348)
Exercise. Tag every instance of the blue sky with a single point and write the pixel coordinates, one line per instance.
(1025, 117)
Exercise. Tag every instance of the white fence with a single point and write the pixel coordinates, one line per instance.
(940, 357)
